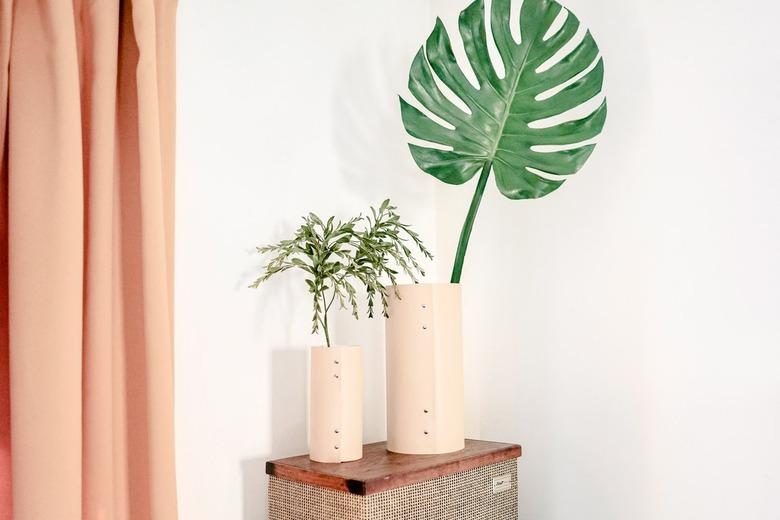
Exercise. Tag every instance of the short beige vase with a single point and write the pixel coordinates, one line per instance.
(424, 344)
(336, 404)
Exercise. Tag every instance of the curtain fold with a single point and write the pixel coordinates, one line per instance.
(87, 122)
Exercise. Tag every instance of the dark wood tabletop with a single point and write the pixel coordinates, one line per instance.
(380, 470)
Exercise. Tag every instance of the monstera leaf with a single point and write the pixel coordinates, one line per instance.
(496, 133)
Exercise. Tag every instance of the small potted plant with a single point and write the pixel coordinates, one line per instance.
(339, 258)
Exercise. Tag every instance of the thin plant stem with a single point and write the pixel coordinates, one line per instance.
(325, 321)
(465, 234)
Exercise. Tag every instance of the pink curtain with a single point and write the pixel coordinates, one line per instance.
(86, 249)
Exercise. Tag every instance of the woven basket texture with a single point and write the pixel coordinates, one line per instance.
(467, 495)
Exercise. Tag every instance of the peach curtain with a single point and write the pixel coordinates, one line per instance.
(86, 249)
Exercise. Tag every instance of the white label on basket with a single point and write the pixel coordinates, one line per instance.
(502, 483)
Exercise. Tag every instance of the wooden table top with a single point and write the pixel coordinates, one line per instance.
(380, 470)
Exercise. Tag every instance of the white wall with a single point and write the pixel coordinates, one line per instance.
(284, 108)
(625, 329)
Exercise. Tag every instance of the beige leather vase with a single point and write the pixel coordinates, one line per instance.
(336, 404)
(425, 369)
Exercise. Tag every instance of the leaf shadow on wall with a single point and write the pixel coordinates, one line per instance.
(279, 298)
(368, 136)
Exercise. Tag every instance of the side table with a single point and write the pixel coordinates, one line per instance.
(476, 483)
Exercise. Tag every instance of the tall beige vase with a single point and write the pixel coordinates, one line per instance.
(336, 404)
(425, 369)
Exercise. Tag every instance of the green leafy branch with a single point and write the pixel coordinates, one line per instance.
(338, 256)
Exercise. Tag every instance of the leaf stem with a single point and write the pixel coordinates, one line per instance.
(465, 234)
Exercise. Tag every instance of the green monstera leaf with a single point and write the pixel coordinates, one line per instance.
(496, 133)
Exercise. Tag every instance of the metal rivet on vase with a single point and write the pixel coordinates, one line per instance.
(425, 327)
(425, 411)
(424, 306)
(335, 431)
(335, 447)
(336, 361)
(336, 376)
(426, 433)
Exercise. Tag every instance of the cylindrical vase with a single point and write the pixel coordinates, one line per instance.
(424, 345)
(336, 404)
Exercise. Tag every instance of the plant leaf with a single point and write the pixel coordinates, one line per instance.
(497, 129)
